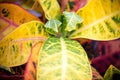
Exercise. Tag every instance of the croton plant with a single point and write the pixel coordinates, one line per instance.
(49, 46)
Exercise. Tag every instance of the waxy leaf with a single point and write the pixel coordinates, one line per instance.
(63, 59)
(31, 68)
(51, 8)
(16, 14)
(15, 48)
(101, 20)
(52, 26)
(70, 21)
(6, 27)
(112, 73)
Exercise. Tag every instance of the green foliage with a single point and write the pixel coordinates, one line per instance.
(63, 59)
(52, 26)
(63, 53)
(51, 8)
(71, 19)
(112, 73)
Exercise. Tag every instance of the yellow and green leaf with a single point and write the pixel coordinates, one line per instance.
(101, 20)
(15, 48)
(112, 73)
(16, 14)
(63, 59)
(51, 8)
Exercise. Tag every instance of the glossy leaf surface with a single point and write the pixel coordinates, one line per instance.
(52, 26)
(101, 20)
(51, 8)
(15, 48)
(15, 13)
(71, 20)
(63, 59)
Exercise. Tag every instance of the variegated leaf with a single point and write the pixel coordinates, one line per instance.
(15, 48)
(101, 20)
(51, 8)
(31, 68)
(63, 59)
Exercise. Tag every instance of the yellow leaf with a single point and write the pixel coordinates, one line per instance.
(51, 8)
(15, 48)
(15, 13)
(101, 20)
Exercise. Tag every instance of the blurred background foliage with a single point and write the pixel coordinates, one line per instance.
(102, 54)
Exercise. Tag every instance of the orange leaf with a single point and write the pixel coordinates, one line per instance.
(16, 13)
(6, 27)
(30, 72)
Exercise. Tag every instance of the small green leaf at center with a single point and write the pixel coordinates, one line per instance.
(52, 26)
(71, 20)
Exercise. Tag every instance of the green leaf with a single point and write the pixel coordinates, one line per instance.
(52, 26)
(51, 8)
(101, 20)
(71, 19)
(15, 48)
(112, 73)
(63, 59)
